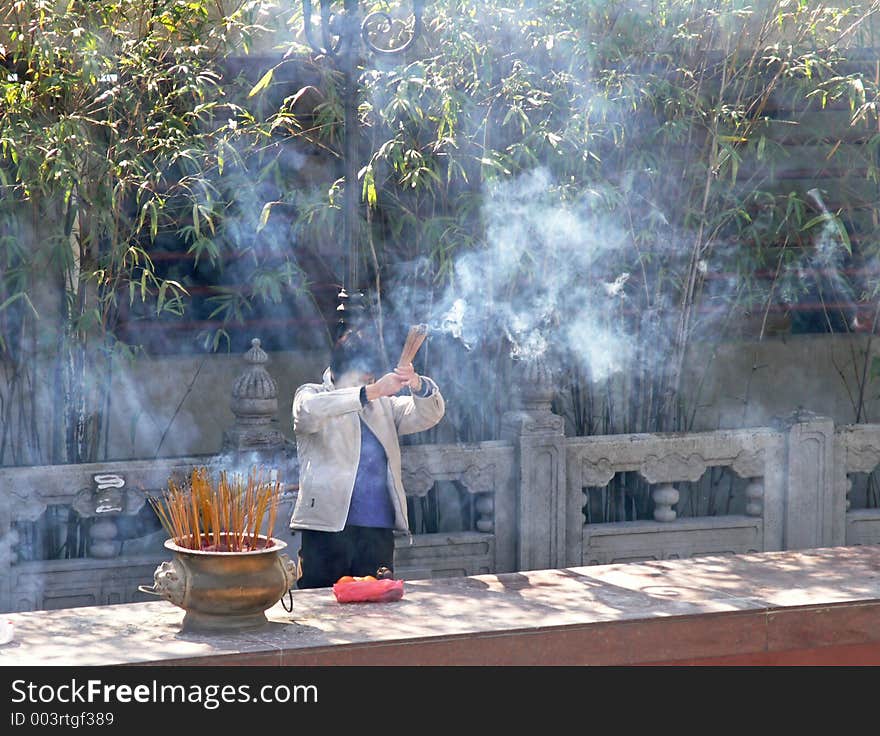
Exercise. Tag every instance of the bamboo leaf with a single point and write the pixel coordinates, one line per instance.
(844, 235)
(154, 219)
(160, 301)
(811, 223)
(264, 82)
(264, 215)
(368, 191)
(15, 297)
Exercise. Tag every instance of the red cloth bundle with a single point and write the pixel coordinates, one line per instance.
(365, 591)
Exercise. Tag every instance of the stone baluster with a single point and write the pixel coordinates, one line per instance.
(102, 536)
(485, 508)
(755, 497)
(665, 497)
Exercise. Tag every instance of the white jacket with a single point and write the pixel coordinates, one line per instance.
(328, 439)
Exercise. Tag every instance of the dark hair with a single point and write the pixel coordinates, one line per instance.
(356, 350)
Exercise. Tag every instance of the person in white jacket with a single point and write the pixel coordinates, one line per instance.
(351, 496)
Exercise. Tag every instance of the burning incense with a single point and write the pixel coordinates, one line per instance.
(414, 339)
(224, 518)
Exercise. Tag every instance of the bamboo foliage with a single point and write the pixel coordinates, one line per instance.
(120, 126)
(664, 120)
(226, 516)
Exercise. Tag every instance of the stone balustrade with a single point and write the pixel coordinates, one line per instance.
(527, 491)
(486, 471)
(665, 462)
(115, 567)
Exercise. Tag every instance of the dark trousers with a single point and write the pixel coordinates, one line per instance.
(357, 550)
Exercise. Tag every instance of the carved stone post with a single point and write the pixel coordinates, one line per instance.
(254, 436)
(540, 504)
(815, 504)
(8, 540)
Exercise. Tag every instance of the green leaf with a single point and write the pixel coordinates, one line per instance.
(838, 226)
(161, 300)
(293, 99)
(824, 217)
(16, 297)
(844, 235)
(264, 215)
(264, 82)
(368, 191)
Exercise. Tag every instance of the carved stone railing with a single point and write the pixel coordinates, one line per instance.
(529, 509)
(664, 461)
(27, 493)
(857, 450)
(115, 566)
(528, 493)
(486, 471)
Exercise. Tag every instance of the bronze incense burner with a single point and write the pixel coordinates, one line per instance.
(224, 591)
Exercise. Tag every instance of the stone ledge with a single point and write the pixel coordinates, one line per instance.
(745, 608)
(685, 523)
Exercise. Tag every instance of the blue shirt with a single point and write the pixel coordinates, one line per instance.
(370, 500)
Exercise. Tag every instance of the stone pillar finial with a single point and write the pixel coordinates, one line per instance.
(255, 406)
(256, 354)
(254, 393)
(534, 384)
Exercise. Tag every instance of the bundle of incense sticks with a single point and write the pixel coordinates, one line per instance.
(414, 339)
(226, 517)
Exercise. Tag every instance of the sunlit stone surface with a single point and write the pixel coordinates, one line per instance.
(814, 606)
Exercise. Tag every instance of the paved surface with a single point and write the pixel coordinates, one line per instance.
(724, 609)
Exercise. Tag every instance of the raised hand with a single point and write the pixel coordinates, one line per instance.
(407, 372)
(389, 385)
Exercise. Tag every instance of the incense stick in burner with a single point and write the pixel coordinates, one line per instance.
(414, 339)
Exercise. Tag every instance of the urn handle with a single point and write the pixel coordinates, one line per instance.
(291, 575)
(291, 572)
(169, 583)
